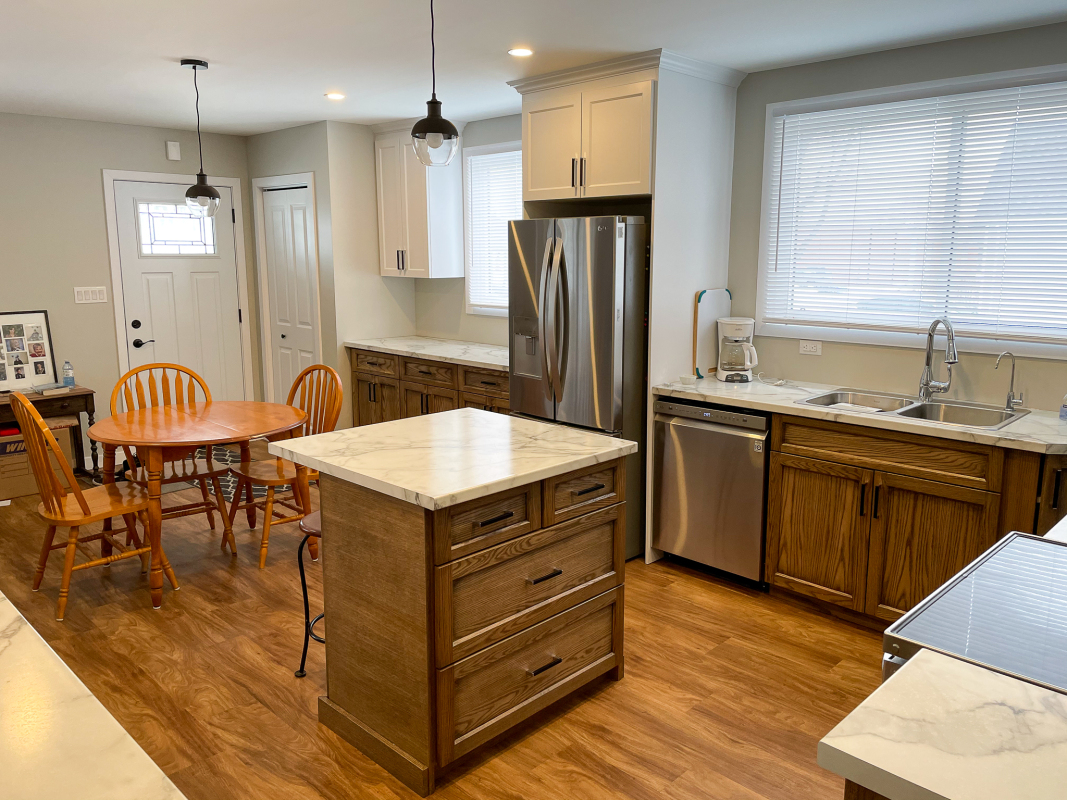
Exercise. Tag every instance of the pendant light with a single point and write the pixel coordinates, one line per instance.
(434, 138)
(202, 198)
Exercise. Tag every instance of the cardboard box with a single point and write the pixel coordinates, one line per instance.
(16, 477)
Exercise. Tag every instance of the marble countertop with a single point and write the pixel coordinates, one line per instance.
(1038, 431)
(470, 354)
(943, 729)
(440, 460)
(56, 739)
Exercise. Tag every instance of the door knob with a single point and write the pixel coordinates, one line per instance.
(139, 344)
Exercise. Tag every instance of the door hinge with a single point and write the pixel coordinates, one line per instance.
(233, 215)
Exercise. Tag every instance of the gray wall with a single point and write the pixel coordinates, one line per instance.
(440, 303)
(54, 233)
(886, 368)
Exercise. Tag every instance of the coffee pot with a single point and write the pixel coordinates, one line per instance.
(737, 355)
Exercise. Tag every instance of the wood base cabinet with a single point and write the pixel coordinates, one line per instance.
(376, 399)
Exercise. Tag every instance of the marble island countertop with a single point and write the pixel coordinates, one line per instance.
(439, 460)
(1038, 431)
(470, 354)
(56, 739)
(944, 729)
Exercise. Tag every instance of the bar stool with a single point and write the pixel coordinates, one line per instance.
(311, 525)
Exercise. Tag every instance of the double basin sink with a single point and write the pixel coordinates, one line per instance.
(945, 412)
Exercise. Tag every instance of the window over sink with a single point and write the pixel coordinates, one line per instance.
(492, 195)
(880, 216)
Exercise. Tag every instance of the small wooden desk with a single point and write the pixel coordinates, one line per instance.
(167, 433)
(76, 401)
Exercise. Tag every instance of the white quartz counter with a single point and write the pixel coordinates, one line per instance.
(56, 739)
(470, 354)
(439, 460)
(1038, 431)
(943, 729)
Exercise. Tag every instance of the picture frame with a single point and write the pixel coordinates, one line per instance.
(27, 358)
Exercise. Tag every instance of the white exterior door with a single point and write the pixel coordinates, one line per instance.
(551, 144)
(179, 284)
(292, 284)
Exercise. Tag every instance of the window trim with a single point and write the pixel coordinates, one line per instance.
(478, 150)
(875, 335)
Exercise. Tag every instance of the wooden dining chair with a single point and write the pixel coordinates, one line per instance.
(75, 509)
(165, 384)
(316, 391)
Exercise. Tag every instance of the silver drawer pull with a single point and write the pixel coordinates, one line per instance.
(554, 662)
(497, 518)
(588, 489)
(553, 574)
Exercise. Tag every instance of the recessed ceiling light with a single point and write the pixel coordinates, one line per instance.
(520, 51)
(334, 96)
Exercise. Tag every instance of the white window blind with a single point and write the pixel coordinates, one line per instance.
(887, 216)
(493, 194)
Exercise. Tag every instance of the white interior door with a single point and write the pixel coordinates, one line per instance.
(179, 284)
(292, 284)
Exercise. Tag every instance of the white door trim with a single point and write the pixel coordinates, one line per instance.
(266, 334)
(234, 184)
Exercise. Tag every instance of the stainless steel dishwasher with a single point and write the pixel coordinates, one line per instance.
(709, 482)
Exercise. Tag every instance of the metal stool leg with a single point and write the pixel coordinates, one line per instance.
(300, 673)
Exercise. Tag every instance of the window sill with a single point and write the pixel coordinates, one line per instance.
(487, 311)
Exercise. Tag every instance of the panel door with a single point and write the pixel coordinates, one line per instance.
(292, 284)
(617, 140)
(817, 529)
(438, 399)
(391, 174)
(551, 144)
(364, 409)
(387, 396)
(922, 533)
(179, 284)
(1053, 498)
(412, 400)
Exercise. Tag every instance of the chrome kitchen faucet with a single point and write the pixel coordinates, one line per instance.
(927, 384)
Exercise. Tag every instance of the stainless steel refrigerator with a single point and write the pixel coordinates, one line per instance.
(577, 306)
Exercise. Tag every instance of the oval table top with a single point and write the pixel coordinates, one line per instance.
(200, 423)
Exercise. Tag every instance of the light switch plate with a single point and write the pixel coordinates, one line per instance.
(810, 348)
(90, 294)
(174, 151)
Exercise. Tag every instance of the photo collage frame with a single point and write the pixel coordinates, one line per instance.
(26, 356)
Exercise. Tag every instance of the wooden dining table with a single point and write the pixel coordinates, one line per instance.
(171, 432)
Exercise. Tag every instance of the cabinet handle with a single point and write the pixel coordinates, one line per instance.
(489, 383)
(375, 392)
(398, 261)
(874, 510)
(553, 574)
(574, 172)
(404, 260)
(424, 372)
(582, 181)
(535, 672)
(370, 392)
(497, 518)
(1056, 490)
(863, 498)
(373, 364)
(587, 489)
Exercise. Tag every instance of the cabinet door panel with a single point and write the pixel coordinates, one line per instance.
(922, 533)
(388, 397)
(617, 140)
(441, 399)
(392, 201)
(364, 409)
(551, 144)
(412, 403)
(1053, 498)
(817, 529)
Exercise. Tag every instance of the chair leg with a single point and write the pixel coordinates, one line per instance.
(300, 673)
(168, 571)
(68, 568)
(235, 503)
(208, 503)
(268, 515)
(134, 539)
(313, 549)
(250, 508)
(46, 550)
(227, 519)
(105, 549)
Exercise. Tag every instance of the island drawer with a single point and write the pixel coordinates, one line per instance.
(484, 381)
(375, 363)
(435, 373)
(575, 493)
(477, 524)
(489, 692)
(492, 594)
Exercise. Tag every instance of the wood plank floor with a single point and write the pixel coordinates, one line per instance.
(727, 691)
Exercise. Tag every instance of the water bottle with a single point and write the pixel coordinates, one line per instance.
(1063, 409)
(68, 374)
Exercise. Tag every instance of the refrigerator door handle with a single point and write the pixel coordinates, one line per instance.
(542, 310)
(552, 302)
(561, 297)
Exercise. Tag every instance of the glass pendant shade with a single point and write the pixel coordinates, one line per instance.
(434, 138)
(202, 198)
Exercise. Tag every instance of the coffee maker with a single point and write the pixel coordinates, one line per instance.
(737, 356)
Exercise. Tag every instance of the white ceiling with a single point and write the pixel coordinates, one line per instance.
(272, 61)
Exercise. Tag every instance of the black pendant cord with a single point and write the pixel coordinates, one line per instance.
(199, 143)
(433, 57)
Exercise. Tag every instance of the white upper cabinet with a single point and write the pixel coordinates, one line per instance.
(420, 212)
(594, 141)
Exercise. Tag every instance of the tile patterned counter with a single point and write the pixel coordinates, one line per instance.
(56, 739)
(471, 354)
(943, 729)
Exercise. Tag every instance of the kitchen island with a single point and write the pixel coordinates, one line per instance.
(472, 575)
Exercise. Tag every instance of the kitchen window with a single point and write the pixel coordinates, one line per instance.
(492, 195)
(879, 217)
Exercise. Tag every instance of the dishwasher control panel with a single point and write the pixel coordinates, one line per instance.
(738, 419)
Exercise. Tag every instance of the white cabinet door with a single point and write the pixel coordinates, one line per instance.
(551, 144)
(415, 252)
(617, 140)
(392, 202)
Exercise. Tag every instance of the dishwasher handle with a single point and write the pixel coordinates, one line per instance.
(710, 427)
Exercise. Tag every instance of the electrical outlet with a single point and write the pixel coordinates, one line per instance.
(810, 348)
(90, 294)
